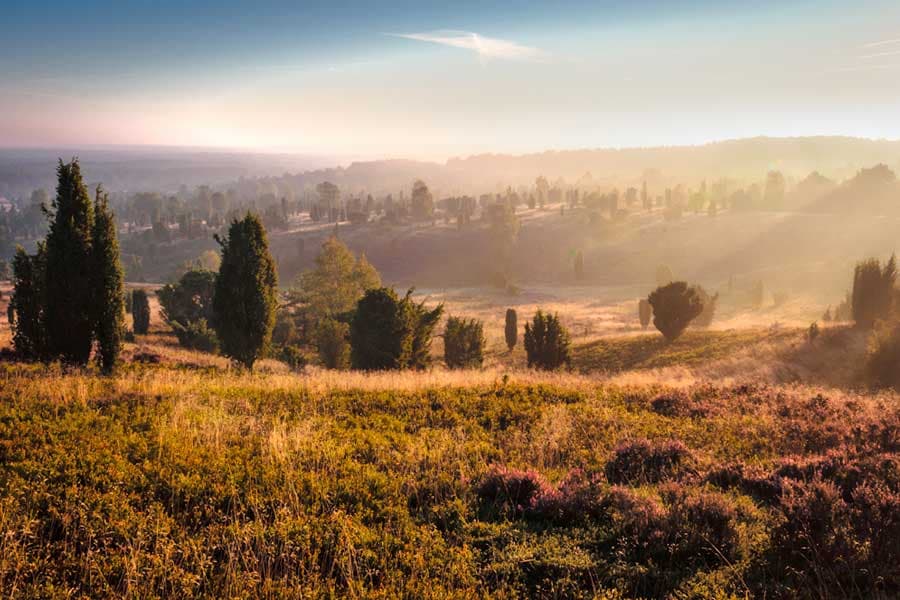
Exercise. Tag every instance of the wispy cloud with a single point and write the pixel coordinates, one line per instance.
(485, 47)
(881, 43)
(881, 54)
(852, 69)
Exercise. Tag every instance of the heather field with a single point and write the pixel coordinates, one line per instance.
(198, 481)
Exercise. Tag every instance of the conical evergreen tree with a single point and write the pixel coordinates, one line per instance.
(28, 303)
(69, 315)
(511, 329)
(109, 300)
(245, 301)
(140, 312)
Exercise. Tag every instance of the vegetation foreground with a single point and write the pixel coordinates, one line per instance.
(178, 482)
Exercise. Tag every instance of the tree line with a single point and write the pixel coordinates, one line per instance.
(68, 300)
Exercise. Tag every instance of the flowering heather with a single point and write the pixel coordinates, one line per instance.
(171, 481)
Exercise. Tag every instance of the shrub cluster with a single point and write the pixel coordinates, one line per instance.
(69, 295)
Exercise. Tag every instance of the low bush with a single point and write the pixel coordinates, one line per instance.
(547, 342)
(704, 529)
(643, 461)
(510, 492)
(674, 307)
(677, 403)
(293, 357)
(196, 335)
(463, 343)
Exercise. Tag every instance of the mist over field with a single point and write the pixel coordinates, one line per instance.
(553, 300)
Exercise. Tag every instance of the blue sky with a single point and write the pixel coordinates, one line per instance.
(427, 80)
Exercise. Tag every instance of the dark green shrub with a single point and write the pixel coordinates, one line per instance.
(873, 291)
(388, 332)
(674, 307)
(511, 328)
(140, 312)
(245, 299)
(379, 337)
(547, 342)
(463, 343)
(332, 343)
(285, 331)
(293, 357)
(196, 335)
(26, 307)
(187, 303)
(645, 312)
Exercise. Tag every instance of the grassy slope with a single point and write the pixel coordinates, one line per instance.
(652, 351)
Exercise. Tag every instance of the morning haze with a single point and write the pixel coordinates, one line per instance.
(539, 300)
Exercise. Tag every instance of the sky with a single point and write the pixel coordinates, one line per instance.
(434, 80)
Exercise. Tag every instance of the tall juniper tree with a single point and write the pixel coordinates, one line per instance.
(108, 285)
(511, 328)
(69, 314)
(28, 302)
(245, 300)
(140, 311)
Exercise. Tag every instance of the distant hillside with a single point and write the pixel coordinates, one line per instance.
(834, 157)
(873, 191)
(133, 169)
(165, 169)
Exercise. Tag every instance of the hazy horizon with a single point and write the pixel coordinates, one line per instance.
(344, 160)
(436, 81)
